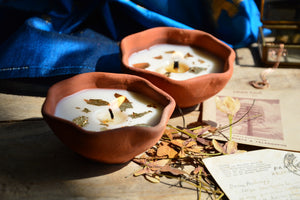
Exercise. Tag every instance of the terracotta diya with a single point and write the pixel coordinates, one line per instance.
(116, 145)
(188, 92)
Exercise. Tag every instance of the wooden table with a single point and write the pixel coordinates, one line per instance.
(34, 164)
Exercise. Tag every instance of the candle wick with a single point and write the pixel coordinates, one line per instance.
(175, 64)
(111, 113)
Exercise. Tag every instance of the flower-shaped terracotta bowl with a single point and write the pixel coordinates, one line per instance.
(110, 146)
(188, 92)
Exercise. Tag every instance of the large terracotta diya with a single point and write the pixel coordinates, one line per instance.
(189, 92)
(117, 145)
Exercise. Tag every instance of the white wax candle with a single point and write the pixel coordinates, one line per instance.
(160, 58)
(82, 106)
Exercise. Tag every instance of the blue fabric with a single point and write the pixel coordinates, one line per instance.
(42, 38)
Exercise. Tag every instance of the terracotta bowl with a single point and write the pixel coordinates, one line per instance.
(188, 92)
(111, 146)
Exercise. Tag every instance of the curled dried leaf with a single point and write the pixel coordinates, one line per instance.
(218, 146)
(152, 178)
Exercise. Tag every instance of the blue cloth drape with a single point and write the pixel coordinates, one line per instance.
(42, 38)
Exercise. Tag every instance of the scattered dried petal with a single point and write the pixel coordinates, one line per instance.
(141, 65)
(188, 55)
(96, 102)
(81, 121)
(158, 57)
(172, 51)
(86, 110)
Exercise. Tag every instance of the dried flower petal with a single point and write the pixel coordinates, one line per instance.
(231, 147)
(229, 105)
(158, 57)
(141, 65)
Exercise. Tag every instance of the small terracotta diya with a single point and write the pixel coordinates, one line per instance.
(189, 92)
(117, 145)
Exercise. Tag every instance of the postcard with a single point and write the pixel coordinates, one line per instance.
(266, 174)
(270, 118)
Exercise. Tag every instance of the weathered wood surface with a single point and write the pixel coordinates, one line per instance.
(34, 164)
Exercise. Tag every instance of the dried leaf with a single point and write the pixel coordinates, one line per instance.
(166, 151)
(189, 142)
(138, 115)
(172, 170)
(203, 141)
(145, 170)
(96, 102)
(126, 103)
(197, 170)
(218, 146)
(152, 178)
(177, 142)
(169, 133)
(195, 149)
(202, 130)
(81, 121)
(181, 154)
(161, 162)
(151, 152)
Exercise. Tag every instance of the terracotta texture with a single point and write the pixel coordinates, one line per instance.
(111, 146)
(189, 92)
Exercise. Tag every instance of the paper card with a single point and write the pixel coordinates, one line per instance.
(273, 120)
(262, 174)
